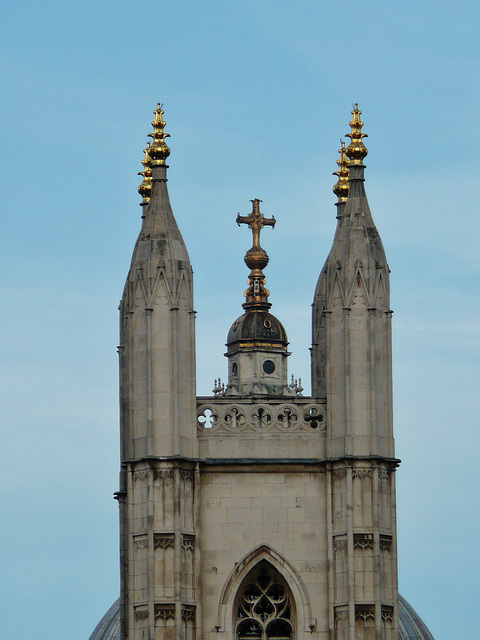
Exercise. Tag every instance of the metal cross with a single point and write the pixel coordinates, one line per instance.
(256, 221)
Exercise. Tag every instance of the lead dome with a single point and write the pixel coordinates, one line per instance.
(411, 626)
(256, 327)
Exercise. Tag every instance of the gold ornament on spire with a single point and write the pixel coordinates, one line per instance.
(159, 150)
(145, 188)
(341, 187)
(256, 258)
(356, 150)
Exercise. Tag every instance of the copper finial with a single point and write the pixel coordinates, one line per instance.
(256, 258)
(341, 187)
(356, 150)
(145, 188)
(159, 150)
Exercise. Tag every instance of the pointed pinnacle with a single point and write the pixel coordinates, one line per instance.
(145, 188)
(341, 187)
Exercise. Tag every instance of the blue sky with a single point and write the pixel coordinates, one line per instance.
(256, 95)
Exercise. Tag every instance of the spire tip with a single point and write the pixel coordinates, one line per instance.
(356, 150)
(159, 150)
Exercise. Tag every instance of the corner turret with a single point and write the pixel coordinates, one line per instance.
(351, 335)
(157, 323)
(157, 406)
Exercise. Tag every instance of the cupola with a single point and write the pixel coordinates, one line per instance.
(257, 341)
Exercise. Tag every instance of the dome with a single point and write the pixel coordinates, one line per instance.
(257, 326)
(411, 626)
(109, 626)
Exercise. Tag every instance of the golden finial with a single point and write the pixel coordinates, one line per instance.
(159, 150)
(145, 188)
(356, 150)
(341, 187)
(256, 258)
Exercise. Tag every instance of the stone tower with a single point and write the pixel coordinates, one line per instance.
(258, 513)
(158, 507)
(352, 369)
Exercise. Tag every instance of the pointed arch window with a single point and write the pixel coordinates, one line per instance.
(264, 606)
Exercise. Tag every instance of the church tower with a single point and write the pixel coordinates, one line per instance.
(258, 513)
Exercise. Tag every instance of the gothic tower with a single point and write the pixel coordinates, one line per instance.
(158, 518)
(258, 513)
(351, 368)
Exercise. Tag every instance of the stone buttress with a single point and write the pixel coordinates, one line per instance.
(159, 470)
(351, 368)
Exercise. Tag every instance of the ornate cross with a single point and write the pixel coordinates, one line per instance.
(256, 221)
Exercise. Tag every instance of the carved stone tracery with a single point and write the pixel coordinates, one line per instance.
(163, 540)
(364, 612)
(341, 615)
(284, 417)
(387, 613)
(165, 611)
(340, 544)
(363, 540)
(186, 474)
(162, 474)
(141, 614)
(188, 613)
(385, 542)
(361, 473)
(188, 542)
(264, 609)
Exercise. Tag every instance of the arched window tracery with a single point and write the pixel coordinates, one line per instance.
(264, 606)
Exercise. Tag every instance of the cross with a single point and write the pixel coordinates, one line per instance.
(256, 221)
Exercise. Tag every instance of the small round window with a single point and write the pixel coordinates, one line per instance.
(268, 366)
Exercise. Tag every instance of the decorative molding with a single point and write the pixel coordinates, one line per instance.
(364, 612)
(186, 474)
(219, 416)
(163, 540)
(361, 473)
(188, 612)
(188, 542)
(162, 474)
(141, 614)
(339, 544)
(385, 542)
(363, 540)
(339, 474)
(165, 611)
(140, 542)
(383, 474)
(387, 613)
(139, 475)
(341, 615)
